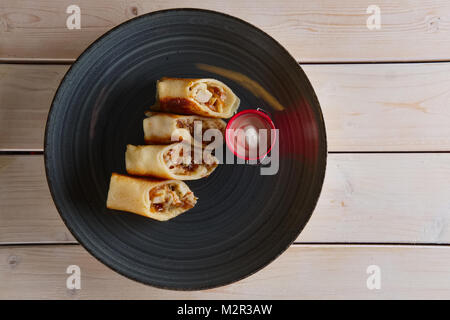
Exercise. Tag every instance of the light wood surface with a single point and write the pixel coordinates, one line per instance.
(367, 107)
(27, 212)
(302, 272)
(384, 107)
(313, 31)
(387, 200)
(378, 198)
(26, 93)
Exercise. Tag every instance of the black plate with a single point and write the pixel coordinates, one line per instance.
(243, 220)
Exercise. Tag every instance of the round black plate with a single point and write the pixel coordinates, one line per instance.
(243, 220)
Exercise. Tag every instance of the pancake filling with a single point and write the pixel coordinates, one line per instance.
(211, 96)
(180, 163)
(169, 196)
(209, 124)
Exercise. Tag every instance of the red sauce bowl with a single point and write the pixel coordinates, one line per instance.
(246, 125)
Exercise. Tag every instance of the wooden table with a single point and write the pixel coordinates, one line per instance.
(386, 197)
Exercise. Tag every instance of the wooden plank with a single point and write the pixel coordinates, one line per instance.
(313, 31)
(26, 93)
(385, 198)
(375, 198)
(384, 107)
(367, 107)
(302, 272)
(27, 212)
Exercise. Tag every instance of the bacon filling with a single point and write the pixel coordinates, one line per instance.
(208, 124)
(211, 96)
(183, 164)
(169, 196)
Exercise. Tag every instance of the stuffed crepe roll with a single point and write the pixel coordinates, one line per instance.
(164, 128)
(174, 161)
(157, 199)
(204, 97)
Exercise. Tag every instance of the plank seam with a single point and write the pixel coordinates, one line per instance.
(30, 152)
(295, 244)
(71, 61)
(388, 152)
(8, 152)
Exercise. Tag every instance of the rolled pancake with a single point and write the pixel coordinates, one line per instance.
(160, 128)
(157, 199)
(203, 97)
(168, 162)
